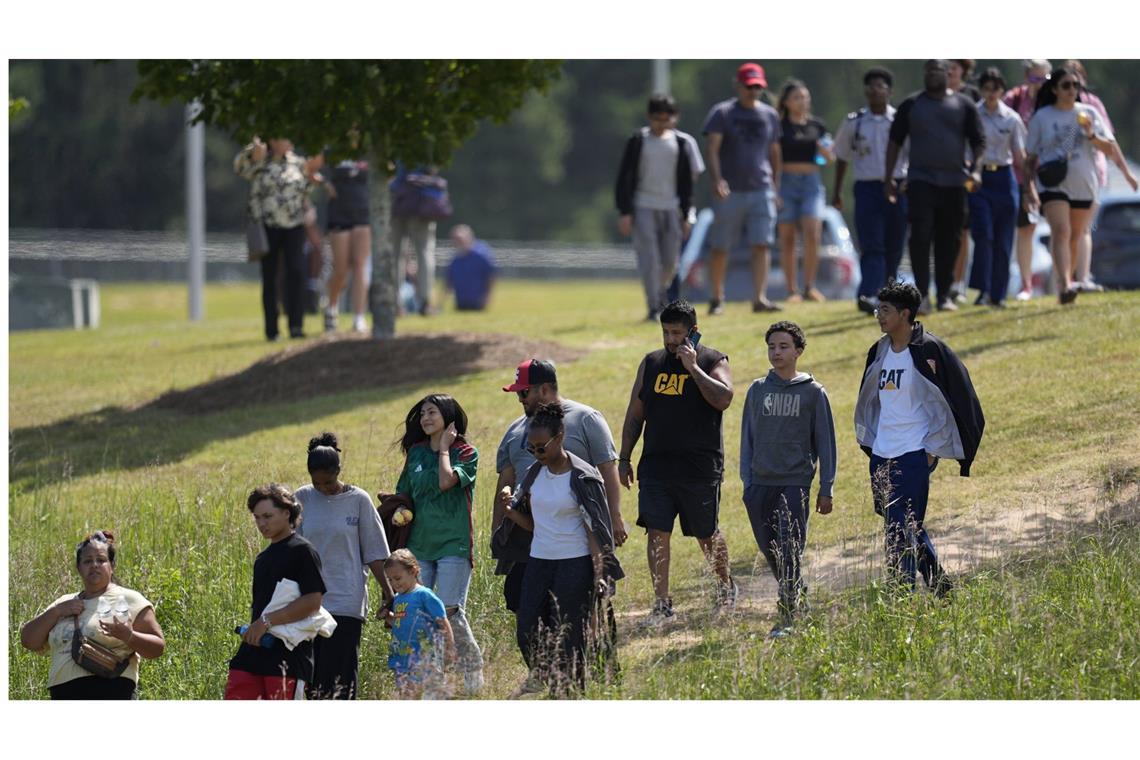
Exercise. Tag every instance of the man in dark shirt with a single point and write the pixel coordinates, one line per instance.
(940, 124)
(679, 397)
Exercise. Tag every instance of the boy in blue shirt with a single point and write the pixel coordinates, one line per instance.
(420, 631)
(787, 428)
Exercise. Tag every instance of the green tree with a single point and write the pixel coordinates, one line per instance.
(415, 112)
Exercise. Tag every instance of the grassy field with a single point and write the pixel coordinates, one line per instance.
(1063, 416)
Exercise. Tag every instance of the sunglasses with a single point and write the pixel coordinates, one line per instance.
(1036, 79)
(756, 87)
(1069, 84)
(540, 450)
(523, 394)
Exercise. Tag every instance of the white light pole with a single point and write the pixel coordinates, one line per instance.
(195, 212)
(661, 76)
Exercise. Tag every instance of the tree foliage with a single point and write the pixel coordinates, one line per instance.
(418, 112)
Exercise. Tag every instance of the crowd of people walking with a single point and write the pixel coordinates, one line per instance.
(954, 158)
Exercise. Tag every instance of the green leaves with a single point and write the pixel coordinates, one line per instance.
(417, 112)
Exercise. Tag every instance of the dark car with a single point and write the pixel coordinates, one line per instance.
(1116, 242)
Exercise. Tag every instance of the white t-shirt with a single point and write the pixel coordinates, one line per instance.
(903, 423)
(559, 530)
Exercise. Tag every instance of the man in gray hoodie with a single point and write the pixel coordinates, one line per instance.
(787, 428)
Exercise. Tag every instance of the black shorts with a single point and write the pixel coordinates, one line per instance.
(1057, 195)
(344, 226)
(697, 503)
(1023, 219)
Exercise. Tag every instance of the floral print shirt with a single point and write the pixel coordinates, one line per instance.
(278, 189)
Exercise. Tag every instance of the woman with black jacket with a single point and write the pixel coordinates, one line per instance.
(571, 555)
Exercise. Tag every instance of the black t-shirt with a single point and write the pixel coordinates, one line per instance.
(295, 559)
(683, 440)
(798, 141)
(350, 206)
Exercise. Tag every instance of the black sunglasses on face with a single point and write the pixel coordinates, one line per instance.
(523, 393)
(540, 450)
(756, 87)
(1069, 85)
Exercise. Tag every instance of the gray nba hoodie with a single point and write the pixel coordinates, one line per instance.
(787, 428)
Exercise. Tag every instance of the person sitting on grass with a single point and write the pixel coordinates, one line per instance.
(786, 428)
(421, 635)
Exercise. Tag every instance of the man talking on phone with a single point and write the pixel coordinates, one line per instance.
(679, 397)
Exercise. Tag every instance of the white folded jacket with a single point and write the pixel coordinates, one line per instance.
(320, 623)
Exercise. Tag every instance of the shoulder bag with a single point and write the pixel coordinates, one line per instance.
(95, 658)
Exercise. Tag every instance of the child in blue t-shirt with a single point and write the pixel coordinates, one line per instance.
(420, 631)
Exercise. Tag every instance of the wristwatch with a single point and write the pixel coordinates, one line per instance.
(265, 619)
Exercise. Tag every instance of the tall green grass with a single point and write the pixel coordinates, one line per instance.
(1057, 385)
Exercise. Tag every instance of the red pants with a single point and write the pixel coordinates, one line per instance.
(245, 685)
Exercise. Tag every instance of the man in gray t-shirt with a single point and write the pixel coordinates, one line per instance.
(587, 435)
(744, 162)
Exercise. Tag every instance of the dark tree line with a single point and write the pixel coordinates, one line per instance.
(81, 154)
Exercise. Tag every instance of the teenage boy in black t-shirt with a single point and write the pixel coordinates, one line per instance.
(679, 397)
(273, 672)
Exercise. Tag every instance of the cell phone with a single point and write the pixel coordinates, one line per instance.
(693, 337)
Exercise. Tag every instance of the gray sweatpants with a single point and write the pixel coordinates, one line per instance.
(657, 241)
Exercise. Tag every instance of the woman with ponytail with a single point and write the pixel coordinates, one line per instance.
(344, 527)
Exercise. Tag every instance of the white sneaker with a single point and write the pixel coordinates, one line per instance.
(1088, 286)
(1024, 294)
(359, 323)
(473, 682)
(330, 320)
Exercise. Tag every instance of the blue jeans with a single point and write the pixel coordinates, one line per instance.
(993, 217)
(779, 516)
(900, 487)
(449, 578)
(881, 230)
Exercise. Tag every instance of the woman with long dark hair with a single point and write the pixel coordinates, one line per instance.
(804, 143)
(1063, 136)
(106, 613)
(439, 477)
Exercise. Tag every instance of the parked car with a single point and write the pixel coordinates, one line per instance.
(838, 276)
(1116, 242)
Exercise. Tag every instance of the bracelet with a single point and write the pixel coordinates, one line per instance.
(265, 619)
(624, 460)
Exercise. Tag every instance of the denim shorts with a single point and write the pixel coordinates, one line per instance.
(751, 213)
(802, 195)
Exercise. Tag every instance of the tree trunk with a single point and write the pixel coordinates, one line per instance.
(384, 290)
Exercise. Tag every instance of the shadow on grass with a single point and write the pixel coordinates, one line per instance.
(301, 383)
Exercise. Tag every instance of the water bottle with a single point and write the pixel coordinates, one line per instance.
(825, 142)
(122, 610)
(267, 639)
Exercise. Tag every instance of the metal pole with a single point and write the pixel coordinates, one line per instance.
(195, 212)
(661, 76)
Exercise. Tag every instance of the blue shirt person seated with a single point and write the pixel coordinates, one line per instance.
(471, 272)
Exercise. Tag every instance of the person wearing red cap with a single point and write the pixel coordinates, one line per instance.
(586, 435)
(744, 162)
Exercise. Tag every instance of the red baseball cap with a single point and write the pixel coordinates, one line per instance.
(751, 73)
(532, 372)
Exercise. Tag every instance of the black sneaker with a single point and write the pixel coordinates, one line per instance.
(763, 304)
(941, 584)
(716, 308)
(865, 305)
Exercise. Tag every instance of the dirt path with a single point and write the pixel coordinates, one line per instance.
(964, 543)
